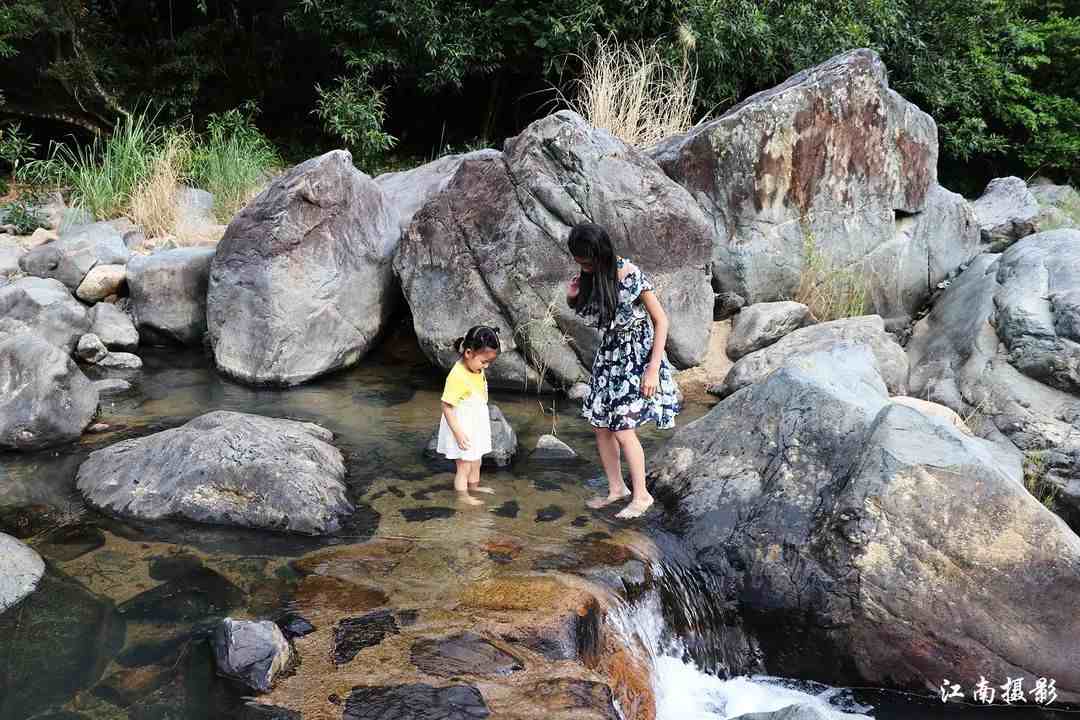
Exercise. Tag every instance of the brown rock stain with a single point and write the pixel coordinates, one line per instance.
(914, 169)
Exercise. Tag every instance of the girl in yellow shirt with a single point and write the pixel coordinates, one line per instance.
(465, 429)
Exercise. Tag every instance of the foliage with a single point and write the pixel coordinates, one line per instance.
(1035, 480)
(354, 112)
(16, 147)
(830, 291)
(23, 214)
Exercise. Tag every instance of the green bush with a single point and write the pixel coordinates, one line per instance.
(23, 214)
(354, 112)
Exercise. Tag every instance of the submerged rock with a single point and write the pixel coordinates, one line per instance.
(255, 653)
(802, 712)
(301, 284)
(20, 571)
(352, 635)
(195, 595)
(868, 331)
(45, 308)
(491, 248)
(45, 399)
(838, 519)
(822, 166)
(224, 468)
(415, 702)
(464, 654)
(168, 295)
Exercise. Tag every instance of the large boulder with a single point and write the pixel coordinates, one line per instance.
(491, 248)
(823, 166)
(407, 191)
(1007, 211)
(20, 571)
(224, 468)
(302, 283)
(1002, 345)
(44, 398)
(762, 324)
(254, 653)
(168, 295)
(868, 331)
(114, 327)
(77, 252)
(45, 308)
(862, 542)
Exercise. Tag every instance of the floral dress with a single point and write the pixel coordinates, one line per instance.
(615, 400)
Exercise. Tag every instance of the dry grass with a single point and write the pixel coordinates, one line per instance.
(153, 203)
(830, 291)
(634, 93)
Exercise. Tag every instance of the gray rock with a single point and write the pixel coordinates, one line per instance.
(415, 701)
(727, 304)
(101, 282)
(224, 468)
(91, 349)
(826, 160)
(762, 324)
(578, 391)
(120, 361)
(504, 442)
(409, 190)
(77, 252)
(44, 398)
(44, 307)
(114, 327)
(20, 571)
(168, 295)
(195, 206)
(112, 386)
(491, 248)
(464, 654)
(840, 518)
(801, 711)
(255, 653)
(9, 259)
(1002, 344)
(1059, 206)
(549, 447)
(302, 283)
(868, 330)
(1007, 211)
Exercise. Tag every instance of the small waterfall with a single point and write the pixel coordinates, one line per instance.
(686, 691)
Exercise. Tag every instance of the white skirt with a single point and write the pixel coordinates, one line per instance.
(475, 422)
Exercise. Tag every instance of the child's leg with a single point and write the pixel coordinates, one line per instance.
(635, 458)
(461, 482)
(609, 458)
(474, 479)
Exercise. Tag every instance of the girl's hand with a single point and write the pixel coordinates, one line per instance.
(574, 287)
(463, 442)
(650, 381)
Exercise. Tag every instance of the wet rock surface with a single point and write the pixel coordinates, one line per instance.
(415, 701)
(464, 654)
(354, 634)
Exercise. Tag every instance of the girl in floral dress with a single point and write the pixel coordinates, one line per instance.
(632, 381)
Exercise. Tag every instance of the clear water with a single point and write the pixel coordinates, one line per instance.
(133, 601)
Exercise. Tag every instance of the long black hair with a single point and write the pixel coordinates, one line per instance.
(597, 291)
(479, 337)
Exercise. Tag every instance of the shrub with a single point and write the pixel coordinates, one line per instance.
(1036, 482)
(23, 214)
(830, 291)
(354, 112)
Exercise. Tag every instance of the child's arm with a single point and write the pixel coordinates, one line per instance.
(572, 291)
(451, 420)
(651, 380)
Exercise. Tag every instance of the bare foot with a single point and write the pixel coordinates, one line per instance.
(465, 498)
(635, 509)
(601, 502)
(481, 489)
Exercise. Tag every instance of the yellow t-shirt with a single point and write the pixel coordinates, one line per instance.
(462, 383)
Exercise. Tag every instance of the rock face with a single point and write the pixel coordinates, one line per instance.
(825, 161)
(1003, 344)
(409, 190)
(491, 248)
(1059, 206)
(91, 349)
(114, 327)
(20, 571)
(301, 284)
(76, 253)
(44, 398)
(101, 282)
(1007, 211)
(504, 442)
(840, 522)
(868, 331)
(762, 324)
(254, 653)
(168, 295)
(224, 468)
(45, 308)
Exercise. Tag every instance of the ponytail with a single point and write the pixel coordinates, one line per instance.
(479, 337)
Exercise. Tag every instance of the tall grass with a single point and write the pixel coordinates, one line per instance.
(153, 204)
(633, 92)
(830, 291)
(232, 160)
